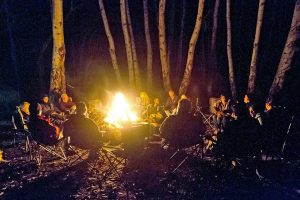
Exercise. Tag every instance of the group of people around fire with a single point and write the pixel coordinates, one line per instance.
(240, 128)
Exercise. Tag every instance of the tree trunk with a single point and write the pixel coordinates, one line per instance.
(171, 32)
(58, 80)
(112, 49)
(127, 43)
(179, 54)
(149, 46)
(215, 26)
(213, 53)
(13, 53)
(133, 49)
(189, 64)
(252, 75)
(290, 49)
(229, 53)
(162, 45)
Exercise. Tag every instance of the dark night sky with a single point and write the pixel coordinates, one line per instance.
(88, 64)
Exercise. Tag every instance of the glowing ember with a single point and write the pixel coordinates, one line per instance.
(120, 112)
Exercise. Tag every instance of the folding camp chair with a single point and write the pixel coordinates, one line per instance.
(189, 150)
(21, 132)
(54, 150)
(105, 154)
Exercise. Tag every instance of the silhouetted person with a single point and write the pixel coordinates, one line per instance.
(41, 129)
(21, 116)
(171, 104)
(241, 137)
(83, 132)
(182, 129)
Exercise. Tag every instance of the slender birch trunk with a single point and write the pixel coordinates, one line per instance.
(133, 49)
(288, 54)
(213, 56)
(149, 45)
(162, 45)
(58, 80)
(13, 53)
(171, 32)
(229, 53)
(189, 64)
(179, 53)
(127, 43)
(252, 75)
(112, 48)
(215, 26)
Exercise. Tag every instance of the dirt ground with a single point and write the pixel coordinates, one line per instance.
(145, 175)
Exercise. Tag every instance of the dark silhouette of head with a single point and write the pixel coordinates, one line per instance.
(184, 107)
(81, 108)
(33, 109)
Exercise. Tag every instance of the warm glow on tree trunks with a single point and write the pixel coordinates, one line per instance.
(112, 49)
(190, 58)
(162, 45)
(252, 75)
(149, 45)
(288, 54)
(229, 53)
(58, 80)
(127, 43)
(133, 50)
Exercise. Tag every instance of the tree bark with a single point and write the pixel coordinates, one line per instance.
(213, 53)
(133, 50)
(189, 64)
(215, 26)
(229, 53)
(171, 32)
(112, 48)
(290, 49)
(127, 43)
(179, 54)
(252, 74)
(58, 80)
(162, 45)
(149, 45)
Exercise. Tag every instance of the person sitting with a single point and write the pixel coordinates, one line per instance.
(241, 137)
(82, 131)
(223, 111)
(182, 129)
(253, 111)
(155, 112)
(249, 100)
(171, 104)
(42, 130)
(66, 105)
(21, 116)
(48, 111)
(144, 105)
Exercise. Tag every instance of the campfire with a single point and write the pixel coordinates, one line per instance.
(120, 113)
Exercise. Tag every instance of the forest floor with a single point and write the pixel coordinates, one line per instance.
(144, 177)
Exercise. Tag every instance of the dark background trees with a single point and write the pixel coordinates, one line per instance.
(88, 65)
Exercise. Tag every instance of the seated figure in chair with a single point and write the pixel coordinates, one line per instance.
(42, 130)
(21, 116)
(182, 129)
(82, 131)
(66, 104)
(223, 111)
(171, 104)
(49, 111)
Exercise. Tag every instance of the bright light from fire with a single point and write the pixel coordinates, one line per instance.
(120, 112)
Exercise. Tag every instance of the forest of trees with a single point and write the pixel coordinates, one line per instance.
(166, 28)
